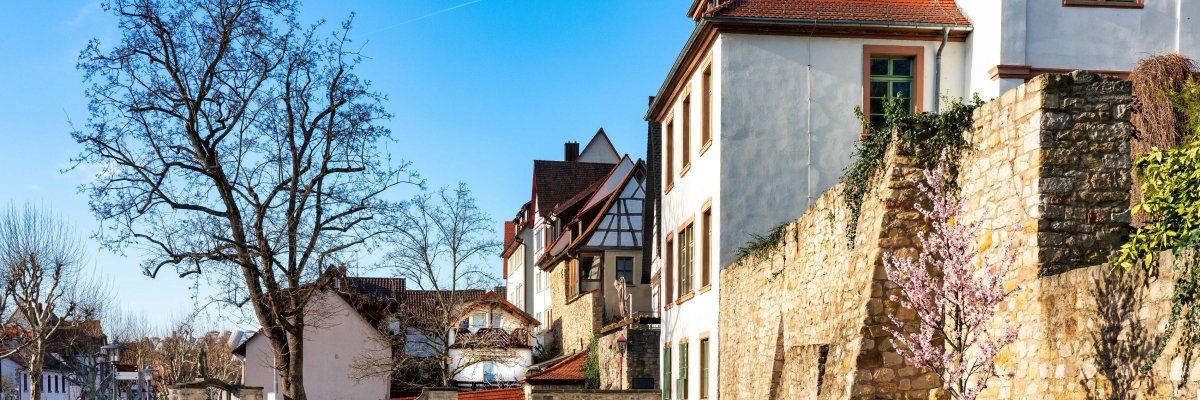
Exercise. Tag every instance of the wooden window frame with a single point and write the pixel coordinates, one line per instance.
(685, 133)
(705, 358)
(669, 275)
(684, 370)
(669, 154)
(706, 234)
(1104, 3)
(691, 269)
(706, 100)
(918, 54)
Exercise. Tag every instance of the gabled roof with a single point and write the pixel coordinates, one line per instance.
(599, 149)
(424, 307)
(493, 298)
(599, 197)
(938, 12)
(556, 182)
(569, 371)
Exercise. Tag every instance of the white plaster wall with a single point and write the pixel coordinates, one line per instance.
(512, 368)
(786, 132)
(1100, 38)
(331, 346)
(684, 201)
(778, 149)
(520, 276)
(982, 46)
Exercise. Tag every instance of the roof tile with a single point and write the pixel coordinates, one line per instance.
(907, 11)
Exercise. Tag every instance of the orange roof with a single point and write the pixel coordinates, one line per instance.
(495, 394)
(942, 12)
(569, 370)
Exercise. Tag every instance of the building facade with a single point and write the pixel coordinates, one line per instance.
(756, 119)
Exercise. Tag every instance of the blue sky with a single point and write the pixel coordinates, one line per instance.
(479, 89)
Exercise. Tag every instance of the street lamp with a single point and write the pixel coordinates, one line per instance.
(113, 351)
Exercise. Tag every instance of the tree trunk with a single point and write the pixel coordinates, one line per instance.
(35, 373)
(290, 362)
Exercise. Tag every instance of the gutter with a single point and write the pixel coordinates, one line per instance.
(705, 23)
(937, 71)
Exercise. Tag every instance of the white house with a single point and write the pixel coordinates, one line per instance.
(755, 118)
(492, 345)
(340, 335)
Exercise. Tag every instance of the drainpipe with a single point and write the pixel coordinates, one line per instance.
(937, 71)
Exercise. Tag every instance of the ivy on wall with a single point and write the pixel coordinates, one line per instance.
(923, 136)
(591, 367)
(1169, 180)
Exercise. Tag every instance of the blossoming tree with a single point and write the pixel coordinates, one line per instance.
(954, 292)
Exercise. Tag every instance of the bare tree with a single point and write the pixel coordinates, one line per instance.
(228, 139)
(78, 340)
(441, 247)
(40, 255)
(182, 356)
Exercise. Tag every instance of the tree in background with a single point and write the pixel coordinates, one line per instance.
(182, 356)
(442, 246)
(955, 293)
(229, 140)
(41, 256)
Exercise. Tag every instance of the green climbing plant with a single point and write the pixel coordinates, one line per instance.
(923, 136)
(1170, 184)
(591, 367)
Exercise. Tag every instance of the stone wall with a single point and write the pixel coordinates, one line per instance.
(806, 319)
(1048, 170)
(638, 362)
(574, 318)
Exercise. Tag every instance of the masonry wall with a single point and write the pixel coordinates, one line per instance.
(638, 363)
(575, 318)
(1048, 170)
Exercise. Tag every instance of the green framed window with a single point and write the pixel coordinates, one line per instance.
(666, 381)
(682, 387)
(891, 77)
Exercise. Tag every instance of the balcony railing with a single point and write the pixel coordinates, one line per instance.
(492, 338)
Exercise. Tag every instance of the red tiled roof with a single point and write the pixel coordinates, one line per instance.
(387, 288)
(494, 394)
(569, 370)
(423, 307)
(908, 11)
(559, 181)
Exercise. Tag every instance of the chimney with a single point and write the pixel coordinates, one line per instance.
(570, 151)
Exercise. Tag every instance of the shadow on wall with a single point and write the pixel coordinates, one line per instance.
(1120, 341)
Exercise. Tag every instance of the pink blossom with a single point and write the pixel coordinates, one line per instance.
(955, 293)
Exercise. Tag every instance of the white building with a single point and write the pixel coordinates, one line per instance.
(492, 346)
(756, 115)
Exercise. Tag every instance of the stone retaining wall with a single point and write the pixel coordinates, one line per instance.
(637, 362)
(1049, 169)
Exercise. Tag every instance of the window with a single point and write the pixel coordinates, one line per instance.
(538, 242)
(669, 156)
(669, 267)
(892, 72)
(666, 381)
(478, 320)
(706, 247)
(625, 269)
(686, 260)
(1104, 3)
(497, 320)
(682, 386)
(706, 96)
(590, 266)
(489, 371)
(704, 368)
(685, 135)
(891, 77)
